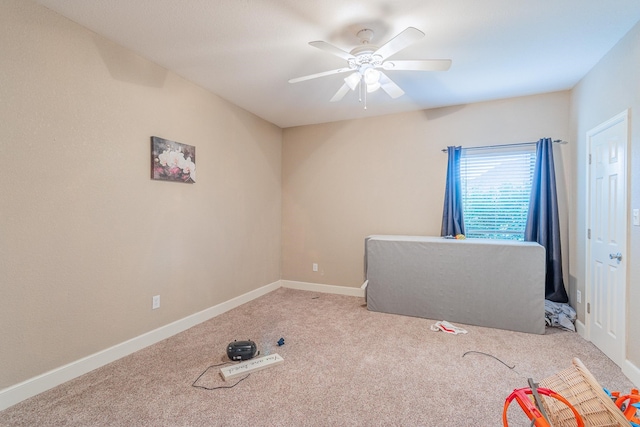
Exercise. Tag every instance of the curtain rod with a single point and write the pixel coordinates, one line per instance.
(557, 141)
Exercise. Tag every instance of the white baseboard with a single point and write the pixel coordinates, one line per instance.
(632, 372)
(33, 386)
(327, 289)
(19, 392)
(628, 368)
(581, 329)
(26, 389)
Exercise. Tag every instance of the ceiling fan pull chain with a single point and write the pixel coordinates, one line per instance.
(362, 90)
(365, 99)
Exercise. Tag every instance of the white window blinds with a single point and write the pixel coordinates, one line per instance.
(496, 185)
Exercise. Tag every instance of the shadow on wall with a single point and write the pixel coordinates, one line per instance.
(129, 67)
(436, 113)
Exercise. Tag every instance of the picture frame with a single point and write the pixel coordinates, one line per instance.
(172, 161)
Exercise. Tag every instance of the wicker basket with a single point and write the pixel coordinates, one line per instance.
(579, 387)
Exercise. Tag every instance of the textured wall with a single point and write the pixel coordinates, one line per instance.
(385, 175)
(86, 237)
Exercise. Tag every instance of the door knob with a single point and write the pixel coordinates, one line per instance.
(617, 256)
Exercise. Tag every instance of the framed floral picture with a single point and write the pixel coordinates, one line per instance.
(172, 161)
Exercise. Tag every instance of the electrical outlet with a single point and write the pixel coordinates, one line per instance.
(315, 267)
(156, 302)
(579, 296)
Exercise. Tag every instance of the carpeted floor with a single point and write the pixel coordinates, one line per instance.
(343, 365)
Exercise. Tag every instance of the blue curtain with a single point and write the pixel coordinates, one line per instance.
(452, 220)
(543, 223)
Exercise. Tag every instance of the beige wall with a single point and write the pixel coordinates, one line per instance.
(610, 88)
(86, 237)
(385, 175)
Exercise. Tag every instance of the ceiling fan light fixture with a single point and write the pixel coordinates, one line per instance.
(352, 80)
(371, 76)
(373, 87)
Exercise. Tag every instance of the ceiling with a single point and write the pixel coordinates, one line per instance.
(245, 51)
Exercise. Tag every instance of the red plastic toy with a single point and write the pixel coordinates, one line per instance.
(627, 401)
(520, 395)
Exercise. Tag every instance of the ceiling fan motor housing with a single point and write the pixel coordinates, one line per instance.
(365, 35)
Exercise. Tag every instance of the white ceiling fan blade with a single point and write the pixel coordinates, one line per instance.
(322, 74)
(332, 49)
(418, 65)
(340, 93)
(392, 89)
(399, 42)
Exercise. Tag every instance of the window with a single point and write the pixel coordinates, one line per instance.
(496, 185)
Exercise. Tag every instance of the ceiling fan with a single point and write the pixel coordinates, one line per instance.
(366, 61)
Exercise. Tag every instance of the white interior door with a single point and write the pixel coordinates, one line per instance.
(607, 247)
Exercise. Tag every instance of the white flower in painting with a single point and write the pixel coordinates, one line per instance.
(163, 158)
(189, 167)
(175, 167)
(176, 159)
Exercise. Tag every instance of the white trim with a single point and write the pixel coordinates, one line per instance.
(581, 328)
(26, 389)
(622, 117)
(327, 289)
(632, 372)
(38, 384)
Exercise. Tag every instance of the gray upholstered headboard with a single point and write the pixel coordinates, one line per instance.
(493, 283)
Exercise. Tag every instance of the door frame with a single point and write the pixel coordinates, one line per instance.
(624, 116)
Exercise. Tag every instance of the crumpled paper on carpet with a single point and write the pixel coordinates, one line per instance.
(447, 327)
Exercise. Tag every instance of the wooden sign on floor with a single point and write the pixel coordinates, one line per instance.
(250, 366)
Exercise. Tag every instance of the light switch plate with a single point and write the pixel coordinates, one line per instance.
(636, 217)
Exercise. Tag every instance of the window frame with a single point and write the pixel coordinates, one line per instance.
(494, 181)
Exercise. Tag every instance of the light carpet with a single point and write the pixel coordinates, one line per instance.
(343, 365)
